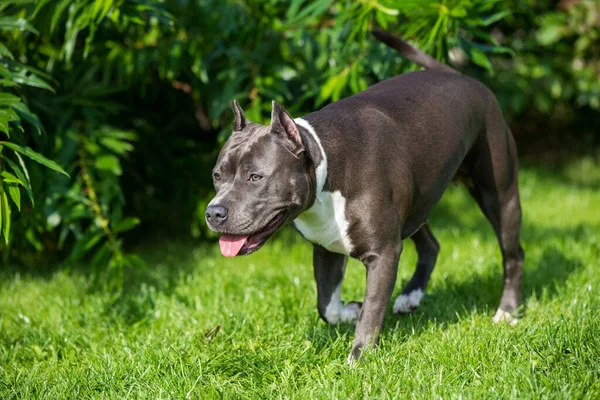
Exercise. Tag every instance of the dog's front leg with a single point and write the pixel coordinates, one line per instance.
(329, 273)
(382, 267)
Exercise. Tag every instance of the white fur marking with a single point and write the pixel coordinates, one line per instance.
(321, 171)
(504, 316)
(337, 312)
(325, 222)
(407, 302)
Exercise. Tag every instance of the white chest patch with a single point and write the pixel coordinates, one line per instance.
(325, 222)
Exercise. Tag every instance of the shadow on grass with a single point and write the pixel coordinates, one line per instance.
(129, 298)
(167, 264)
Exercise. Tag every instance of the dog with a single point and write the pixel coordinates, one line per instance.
(358, 176)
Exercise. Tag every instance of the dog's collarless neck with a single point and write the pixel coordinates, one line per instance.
(315, 151)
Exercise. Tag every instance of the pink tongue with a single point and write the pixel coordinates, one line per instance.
(231, 244)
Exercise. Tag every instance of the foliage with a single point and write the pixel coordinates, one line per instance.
(438, 26)
(82, 208)
(132, 97)
(14, 111)
(556, 62)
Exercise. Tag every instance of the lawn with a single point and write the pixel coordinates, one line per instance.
(198, 325)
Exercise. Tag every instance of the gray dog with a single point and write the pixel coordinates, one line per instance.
(360, 175)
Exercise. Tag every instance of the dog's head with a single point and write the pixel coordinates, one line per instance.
(263, 178)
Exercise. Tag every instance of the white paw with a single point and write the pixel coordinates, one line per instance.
(406, 303)
(342, 313)
(504, 316)
(351, 361)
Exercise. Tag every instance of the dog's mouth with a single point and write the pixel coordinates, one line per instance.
(241, 245)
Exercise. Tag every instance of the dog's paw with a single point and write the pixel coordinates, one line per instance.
(406, 303)
(351, 312)
(504, 316)
(343, 313)
(354, 356)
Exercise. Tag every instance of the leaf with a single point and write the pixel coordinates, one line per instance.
(329, 87)
(7, 177)
(59, 11)
(2, 216)
(481, 59)
(70, 42)
(313, 10)
(549, 34)
(62, 237)
(125, 224)
(6, 217)
(86, 243)
(543, 102)
(5, 52)
(389, 11)
(37, 157)
(293, 9)
(10, 23)
(9, 115)
(482, 35)
(458, 12)
(341, 85)
(101, 8)
(18, 2)
(102, 256)
(32, 238)
(582, 43)
(109, 163)
(490, 19)
(116, 133)
(7, 83)
(15, 194)
(381, 20)
(7, 99)
(25, 76)
(23, 176)
(28, 116)
(5, 118)
(116, 145)
(135, 261)
(492, 49)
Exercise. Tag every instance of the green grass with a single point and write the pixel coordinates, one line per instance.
(62, 336)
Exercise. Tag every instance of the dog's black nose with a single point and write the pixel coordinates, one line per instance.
(216, 214)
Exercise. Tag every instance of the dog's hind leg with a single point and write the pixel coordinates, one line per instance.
(495, 188)
(504, 212)
(329, 271)
(427, 249)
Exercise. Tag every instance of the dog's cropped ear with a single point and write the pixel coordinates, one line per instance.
(239, 120)
(283, 125)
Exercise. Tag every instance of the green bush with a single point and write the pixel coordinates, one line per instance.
(58, 78)
(557, 57)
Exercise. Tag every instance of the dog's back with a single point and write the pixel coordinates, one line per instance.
(431, 119)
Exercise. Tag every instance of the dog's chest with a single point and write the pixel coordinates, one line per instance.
(325, 223)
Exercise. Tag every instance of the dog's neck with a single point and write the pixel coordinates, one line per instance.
(317, 160)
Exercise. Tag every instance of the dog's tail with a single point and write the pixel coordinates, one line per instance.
(413, 54)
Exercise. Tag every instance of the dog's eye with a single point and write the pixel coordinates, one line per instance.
(255, 177)
(216, 175)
